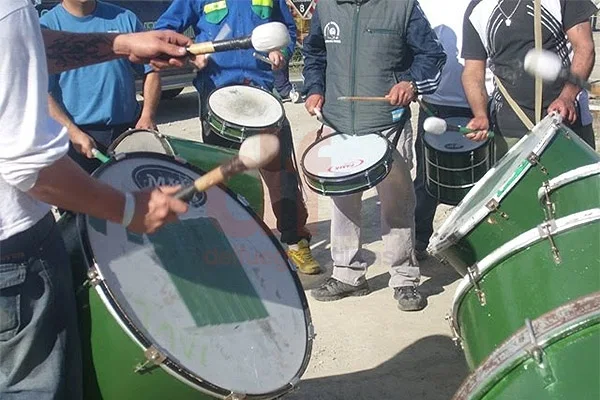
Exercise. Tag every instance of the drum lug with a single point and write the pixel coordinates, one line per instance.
(535, 160)
(473, 275)
(93, 277)
(236, 396)
(494, 206)
(537, 353)
(455, 336)
(153, 357)
(120, 156)
(548, 204)
(546, 230)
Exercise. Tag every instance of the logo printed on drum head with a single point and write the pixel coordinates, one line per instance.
(453, 146)
(346, 166)
(151, 176)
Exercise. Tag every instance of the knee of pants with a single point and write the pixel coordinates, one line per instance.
(281, 185)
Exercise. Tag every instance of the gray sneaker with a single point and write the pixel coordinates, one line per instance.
(409, 298)
(333, 289)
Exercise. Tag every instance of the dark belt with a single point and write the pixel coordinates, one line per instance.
(22, 245)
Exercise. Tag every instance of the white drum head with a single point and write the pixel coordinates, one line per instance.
(495, 184)
(245, 106)
(341, 155)
(213, 292)
(141, 140)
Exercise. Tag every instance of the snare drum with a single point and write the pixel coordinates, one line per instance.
(528, 276)
(207, 307)
(556, 356)
(504, 203)
(204, 156)
(453, 163)
(237, 112)
(341, 164)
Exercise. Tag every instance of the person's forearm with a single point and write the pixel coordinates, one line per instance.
(584, 56)
(152, 92)
(474, 87)
(65, 185)
(57, 113)
(68, 50)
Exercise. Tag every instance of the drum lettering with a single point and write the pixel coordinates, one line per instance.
(349, 165)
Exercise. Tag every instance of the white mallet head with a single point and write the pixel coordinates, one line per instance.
(544, 64)
(259, 150)
(435, 125)
(270, 36)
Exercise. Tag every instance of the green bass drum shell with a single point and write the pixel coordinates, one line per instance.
(554, 357)
(204, 156)
(528, 276)
(504, 203)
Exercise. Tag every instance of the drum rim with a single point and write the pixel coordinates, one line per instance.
(445, 236)
(568, 177)
(555, 325)
(361, 188)
(214, 114)
(170, 366)
(387, 156)
(533, 236)
(162, 138)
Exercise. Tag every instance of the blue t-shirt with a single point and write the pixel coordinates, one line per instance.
(101, 93)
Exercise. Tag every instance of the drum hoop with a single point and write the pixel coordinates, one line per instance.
(111, 303)
(387, 156)
(162, 138)
(361, 188)
(568, 177)
(526, 239)
(448, 186)
(239, 127)
(549, 328)
(472, 167)
(441, 242)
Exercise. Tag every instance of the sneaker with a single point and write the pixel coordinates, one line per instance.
(302, 257)
(409, 298)
(333, 289)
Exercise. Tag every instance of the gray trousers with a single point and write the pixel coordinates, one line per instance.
(397, 198)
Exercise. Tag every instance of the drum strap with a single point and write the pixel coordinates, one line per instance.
(538, 81)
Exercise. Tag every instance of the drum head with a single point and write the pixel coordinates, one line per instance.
(141, 140)
(212, 292)
(245, 106)
(453, 142)
(340, 155)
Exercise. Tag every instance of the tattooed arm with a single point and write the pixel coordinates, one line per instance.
(67, 50)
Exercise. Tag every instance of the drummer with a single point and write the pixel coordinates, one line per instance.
(380, 67)
(98, 102)
(210, 21)
(449, 100)
(510, 27)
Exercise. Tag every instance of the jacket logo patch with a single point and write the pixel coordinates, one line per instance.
(331, 32)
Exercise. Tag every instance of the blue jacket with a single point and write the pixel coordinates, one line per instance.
(209, 18)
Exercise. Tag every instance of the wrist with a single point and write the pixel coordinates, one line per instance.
(119, 43)
(128, 209)
(414, 88)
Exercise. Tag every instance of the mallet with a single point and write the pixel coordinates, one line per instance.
(438, 126)
(266, 37)
(548, 66)
(255, 152)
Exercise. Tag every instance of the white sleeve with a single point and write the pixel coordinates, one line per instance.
(30, 139)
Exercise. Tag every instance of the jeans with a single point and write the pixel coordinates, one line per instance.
(39, 343)
(281, 80)
(282, 181)
(427, 204)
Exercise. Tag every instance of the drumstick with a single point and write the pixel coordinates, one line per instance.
(548, 66)
(425, 108)
(262, 58)
(255, 152)
(99, 156)
(438, 126)
(362, 98)
(266, 37)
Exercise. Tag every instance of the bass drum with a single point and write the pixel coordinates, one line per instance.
(204, 156)
(554, 357)
(206, 307)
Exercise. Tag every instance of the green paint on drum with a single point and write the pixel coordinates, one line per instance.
(207, 157)
(207, 273)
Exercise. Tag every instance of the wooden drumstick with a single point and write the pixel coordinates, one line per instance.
(266, 37)
(363, 98)
(255, 152)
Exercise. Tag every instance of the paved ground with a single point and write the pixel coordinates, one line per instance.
(365, 348)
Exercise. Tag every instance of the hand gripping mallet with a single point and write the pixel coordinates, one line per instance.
(548, 66)
(255, 152)
(438, 126)
(266, 37)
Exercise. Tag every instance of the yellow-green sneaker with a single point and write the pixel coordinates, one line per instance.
(302, 257)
